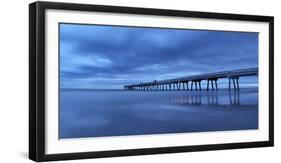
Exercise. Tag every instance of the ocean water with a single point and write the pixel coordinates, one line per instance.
(96, 113)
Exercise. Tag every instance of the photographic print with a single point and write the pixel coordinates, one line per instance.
(122, 80)
(107, 81)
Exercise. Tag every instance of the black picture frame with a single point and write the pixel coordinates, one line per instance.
(37, 80)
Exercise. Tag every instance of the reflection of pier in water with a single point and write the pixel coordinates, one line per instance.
(209, 98)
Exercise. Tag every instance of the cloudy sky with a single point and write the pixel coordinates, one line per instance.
(109, 57)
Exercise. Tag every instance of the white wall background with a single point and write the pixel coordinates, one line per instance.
(14, 79)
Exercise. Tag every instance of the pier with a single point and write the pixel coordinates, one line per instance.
(193, 82)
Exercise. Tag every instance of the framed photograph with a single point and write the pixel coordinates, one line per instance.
(110, 81)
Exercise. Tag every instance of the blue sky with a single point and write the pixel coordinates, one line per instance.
(109, 57)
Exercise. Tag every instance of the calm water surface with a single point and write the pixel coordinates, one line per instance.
(95, 113)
